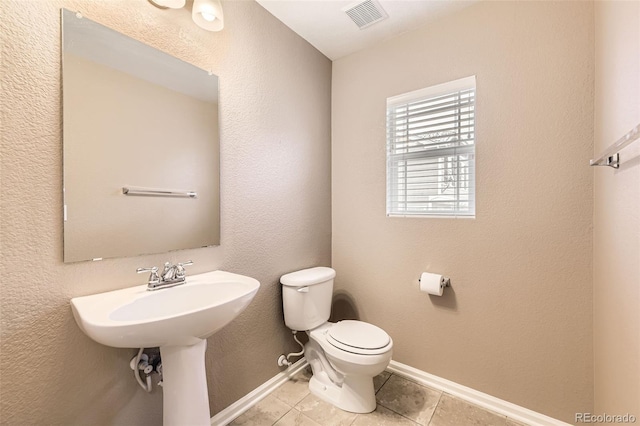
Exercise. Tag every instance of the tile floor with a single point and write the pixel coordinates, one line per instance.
(400, 402)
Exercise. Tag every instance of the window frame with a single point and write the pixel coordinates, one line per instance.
(460, 150)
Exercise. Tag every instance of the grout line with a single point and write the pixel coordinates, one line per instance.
(420, 385)
(400, 414)
(385, 382)
(435, 409)
(280, 418)
(391, 409)
(307, 417)
(300, 402)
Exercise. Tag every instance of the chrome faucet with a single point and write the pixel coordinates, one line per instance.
(171, 275)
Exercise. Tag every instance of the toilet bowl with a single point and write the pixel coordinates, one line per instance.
(351, 389)
(344, 356)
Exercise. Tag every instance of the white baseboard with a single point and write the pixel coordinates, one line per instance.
(227, 415)
(473, 396)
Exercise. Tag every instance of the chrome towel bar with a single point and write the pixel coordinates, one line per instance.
(610, 156)
(158, 192)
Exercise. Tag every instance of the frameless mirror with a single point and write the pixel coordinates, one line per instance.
(140, 147)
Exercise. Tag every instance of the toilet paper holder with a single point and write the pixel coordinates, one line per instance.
(444, 282)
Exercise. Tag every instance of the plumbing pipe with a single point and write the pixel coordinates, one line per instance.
(135, 365)
(284, 360)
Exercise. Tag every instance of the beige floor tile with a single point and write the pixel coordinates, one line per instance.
(382, 417)
(323, 412)
(409, 399)
(380, 380)
(294, 390)
(401, 402)
(264, 413)
(296, 418)
(455, 412)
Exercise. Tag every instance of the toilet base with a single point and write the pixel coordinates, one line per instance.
(356, 395)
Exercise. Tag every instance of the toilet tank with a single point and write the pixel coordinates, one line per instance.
(306, 297)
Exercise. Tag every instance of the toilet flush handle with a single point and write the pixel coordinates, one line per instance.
(303, 289)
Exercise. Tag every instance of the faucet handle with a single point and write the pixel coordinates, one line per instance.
(180, 268)
(153, 277)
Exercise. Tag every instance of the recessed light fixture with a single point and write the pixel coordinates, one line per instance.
(207, 14)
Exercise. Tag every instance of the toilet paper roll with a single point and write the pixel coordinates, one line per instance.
(432, 283)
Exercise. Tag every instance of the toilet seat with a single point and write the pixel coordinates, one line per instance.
(358, 337)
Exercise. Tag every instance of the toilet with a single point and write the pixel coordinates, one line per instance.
(344, 356)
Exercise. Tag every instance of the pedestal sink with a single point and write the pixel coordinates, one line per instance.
(176, 319)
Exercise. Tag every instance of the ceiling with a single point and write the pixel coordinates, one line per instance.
(325, 25)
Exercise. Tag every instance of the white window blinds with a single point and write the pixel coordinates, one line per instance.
(431, 151)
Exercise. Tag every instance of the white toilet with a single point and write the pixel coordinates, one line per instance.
(344, 356)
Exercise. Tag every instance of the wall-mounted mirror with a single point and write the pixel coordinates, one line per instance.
(140, 119)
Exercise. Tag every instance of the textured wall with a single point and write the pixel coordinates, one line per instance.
(275, 162)
(616, 268)
(517, 323)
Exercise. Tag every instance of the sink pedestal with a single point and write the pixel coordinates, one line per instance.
(184, 385)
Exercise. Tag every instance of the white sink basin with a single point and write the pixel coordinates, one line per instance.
(176, 319)
(182, 315)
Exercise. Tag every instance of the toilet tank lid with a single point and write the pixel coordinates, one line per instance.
(309, 276)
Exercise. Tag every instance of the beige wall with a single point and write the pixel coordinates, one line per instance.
(517, 323)
(274, 148)
(616, 268)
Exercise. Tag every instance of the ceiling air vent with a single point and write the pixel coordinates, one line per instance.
(366, 13)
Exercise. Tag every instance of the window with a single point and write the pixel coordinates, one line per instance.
(431, 151)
